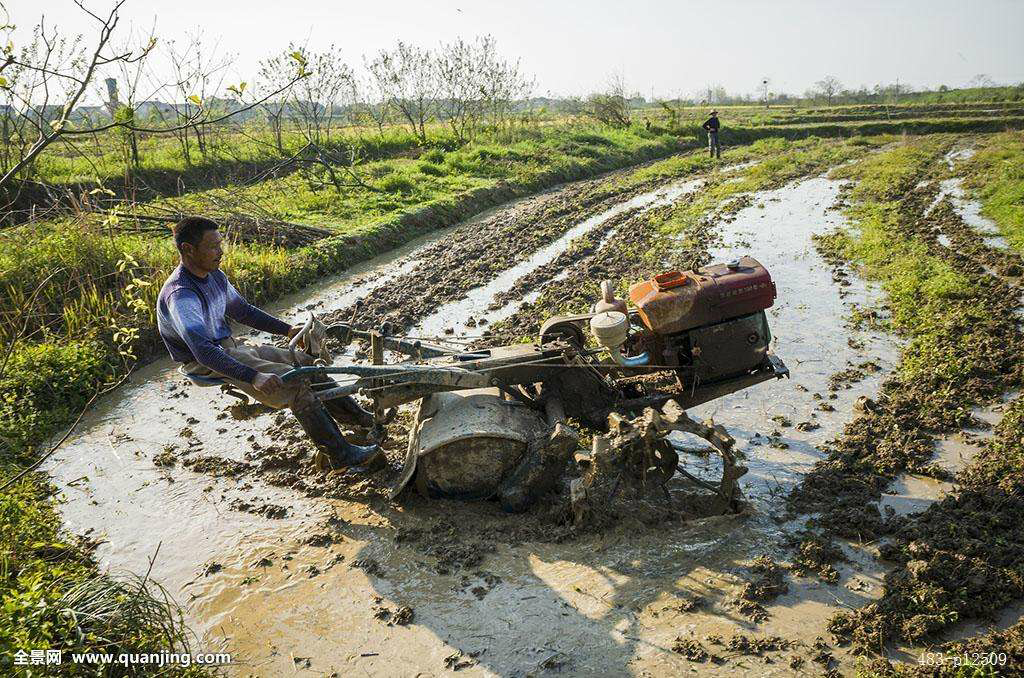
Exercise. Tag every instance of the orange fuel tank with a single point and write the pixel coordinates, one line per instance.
(682, 300)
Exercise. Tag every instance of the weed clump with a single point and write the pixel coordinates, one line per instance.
(396, 183)
(432, 169)
(963, 557)
(434, 156)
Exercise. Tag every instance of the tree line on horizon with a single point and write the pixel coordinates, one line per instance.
(179, 88)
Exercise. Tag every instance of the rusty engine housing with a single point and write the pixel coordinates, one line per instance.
(708, 323)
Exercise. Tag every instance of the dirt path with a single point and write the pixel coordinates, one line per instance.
(295, 573)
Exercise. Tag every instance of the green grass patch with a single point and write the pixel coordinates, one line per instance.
(995, 175)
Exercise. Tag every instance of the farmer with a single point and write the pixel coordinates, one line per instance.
(192, 317)
(711, 127)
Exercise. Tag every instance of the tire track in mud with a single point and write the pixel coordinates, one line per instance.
(477, 252)
(627, 254)
(583, 247)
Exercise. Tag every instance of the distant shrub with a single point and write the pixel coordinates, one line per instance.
(585, 151)
(485, 153)
(588, 138)
(460, 163)
(432, 169)
(397, 183)
(434, 155)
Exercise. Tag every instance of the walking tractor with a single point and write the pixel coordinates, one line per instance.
(505, 421)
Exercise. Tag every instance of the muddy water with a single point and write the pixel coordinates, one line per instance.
(969, 209)
(809, 334)
(316, 589)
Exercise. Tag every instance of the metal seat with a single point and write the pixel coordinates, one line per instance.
(204, 381)
(201, 380)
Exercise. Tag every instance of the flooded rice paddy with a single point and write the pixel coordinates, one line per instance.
(164, 475)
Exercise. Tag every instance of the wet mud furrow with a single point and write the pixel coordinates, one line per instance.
(473, 254)
(947, 567)
(898, 431)
(583, 247)
(626, 255)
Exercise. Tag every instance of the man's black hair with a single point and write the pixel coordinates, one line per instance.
(190, 230)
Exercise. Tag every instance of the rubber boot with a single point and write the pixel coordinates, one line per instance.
(334, 452)
(346, 410)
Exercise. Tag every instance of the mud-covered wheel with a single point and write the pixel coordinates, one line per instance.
(661, 463)
(637, 451)
(565, 330)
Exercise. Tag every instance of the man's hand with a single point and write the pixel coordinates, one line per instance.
(267, 383)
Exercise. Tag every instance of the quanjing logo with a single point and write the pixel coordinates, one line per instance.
(48, 657)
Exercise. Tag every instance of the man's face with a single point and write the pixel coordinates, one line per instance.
(207, 254)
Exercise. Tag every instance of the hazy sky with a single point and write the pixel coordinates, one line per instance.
(670, 47)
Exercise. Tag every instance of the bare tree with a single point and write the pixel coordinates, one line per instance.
(828, 87)
(503, 82)
(610, 107)
(460, 87)
(55, 73)
(371, 105)
(326, 94)
(272, 84)
(407, 77)
(475, 83)
(981, 80)
(198, 71)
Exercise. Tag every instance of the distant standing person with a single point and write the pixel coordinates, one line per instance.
(711, 127)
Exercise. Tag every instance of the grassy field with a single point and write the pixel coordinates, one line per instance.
(239, 152)
(77, 292)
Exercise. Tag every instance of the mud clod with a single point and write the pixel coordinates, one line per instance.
(321, 540)
(816, 556)
(370, 566)
(768, 584)
(403, 616)
(757, 646)
(691, 649)
(272, 511)
(165, 459)
(458, 661)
